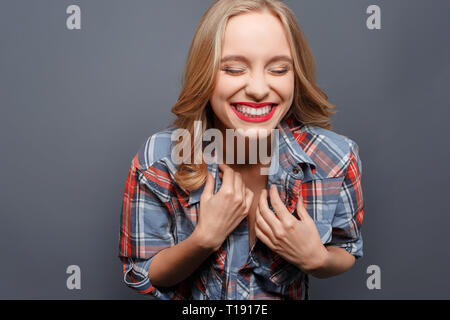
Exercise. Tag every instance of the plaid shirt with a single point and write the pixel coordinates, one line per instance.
(157, 213)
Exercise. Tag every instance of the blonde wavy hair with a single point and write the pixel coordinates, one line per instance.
(310, 104)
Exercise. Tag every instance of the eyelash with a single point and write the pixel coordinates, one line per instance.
(233, 71)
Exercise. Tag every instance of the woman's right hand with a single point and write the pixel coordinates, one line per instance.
(222, 212)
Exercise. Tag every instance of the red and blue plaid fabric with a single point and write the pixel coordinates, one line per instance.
(321, 165)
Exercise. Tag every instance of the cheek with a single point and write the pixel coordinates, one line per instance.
(224, 89)
(285, 87)
(226, 86)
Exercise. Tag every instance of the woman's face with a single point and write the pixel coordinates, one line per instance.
(255, 82)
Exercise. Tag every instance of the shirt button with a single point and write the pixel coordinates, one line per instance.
(295, 170)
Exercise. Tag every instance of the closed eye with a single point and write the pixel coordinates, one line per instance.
(237, 71)
(280, 71)
(232, 71)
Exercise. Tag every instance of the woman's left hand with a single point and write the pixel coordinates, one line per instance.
(297, 241)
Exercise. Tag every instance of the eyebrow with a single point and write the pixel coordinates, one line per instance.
(244, 59)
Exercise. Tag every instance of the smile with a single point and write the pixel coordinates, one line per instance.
(251, 114)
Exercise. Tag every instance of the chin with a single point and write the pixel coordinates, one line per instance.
(254, 131)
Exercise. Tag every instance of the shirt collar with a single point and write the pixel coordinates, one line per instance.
(290, 147)
(291, 158)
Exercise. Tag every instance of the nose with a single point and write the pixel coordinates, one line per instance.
(257, 87)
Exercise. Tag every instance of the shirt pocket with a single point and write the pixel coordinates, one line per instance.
(320, 197)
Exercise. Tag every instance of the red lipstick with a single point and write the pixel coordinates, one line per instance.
(253, 117)
(255, 105)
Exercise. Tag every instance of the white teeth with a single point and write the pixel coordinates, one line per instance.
(253, 112)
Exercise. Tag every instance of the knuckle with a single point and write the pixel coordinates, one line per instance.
(289, 225)
(276, 242)
(278, 234)
(227, 192)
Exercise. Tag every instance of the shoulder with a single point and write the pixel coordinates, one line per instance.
(333, 139)
(332, 152)
(157, 147)
(154, 165)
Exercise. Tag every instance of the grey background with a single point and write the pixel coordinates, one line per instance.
(77, 105)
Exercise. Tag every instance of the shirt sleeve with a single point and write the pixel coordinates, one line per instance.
(145, 229)
(348, 218)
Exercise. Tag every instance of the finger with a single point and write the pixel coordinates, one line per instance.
(238, 188)
(228, 177)
(244, 192)
(279, 207)
(301, 210)
(266, 213)
(263, 226)
(248, 199)
(261, 236)
(208, 190)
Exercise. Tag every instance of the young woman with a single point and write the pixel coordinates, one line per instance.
(211, 230)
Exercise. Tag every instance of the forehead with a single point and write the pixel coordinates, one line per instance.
(255, 34)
